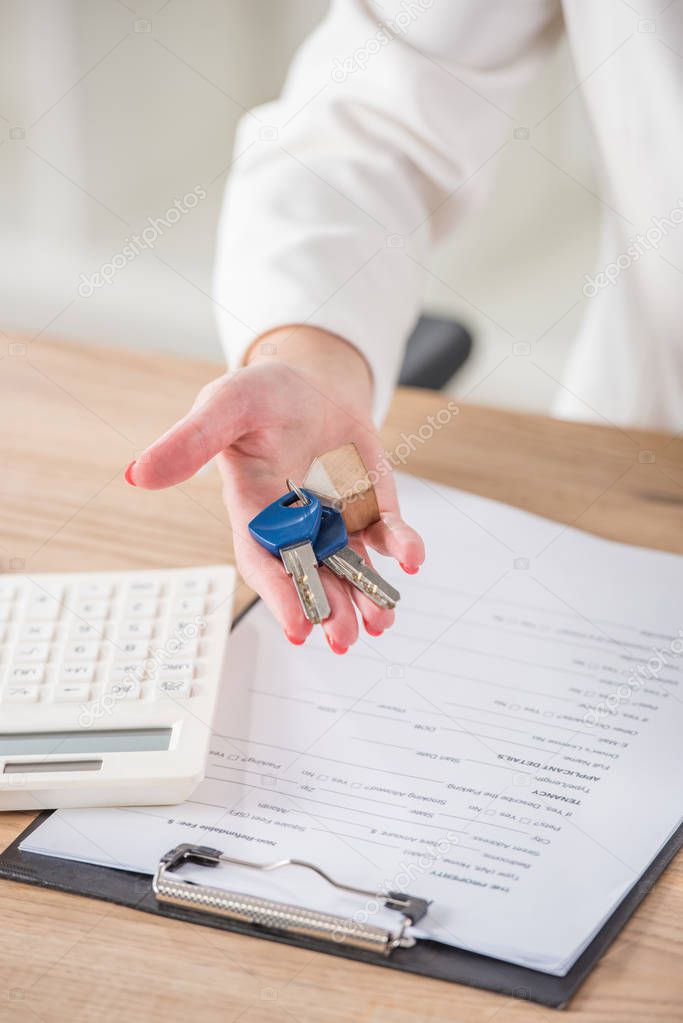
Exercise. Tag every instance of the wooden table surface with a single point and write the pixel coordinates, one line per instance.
(72, 417)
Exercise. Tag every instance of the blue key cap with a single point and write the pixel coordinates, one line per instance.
(332, 535)
(332, 549)
(288, 529)
(286, 524)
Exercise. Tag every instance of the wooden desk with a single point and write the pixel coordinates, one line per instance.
(72, 419)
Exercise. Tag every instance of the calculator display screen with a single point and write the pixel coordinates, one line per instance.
(132, 740)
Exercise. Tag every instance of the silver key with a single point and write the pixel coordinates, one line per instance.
(349, 565)
(288, 529)
(300, 563)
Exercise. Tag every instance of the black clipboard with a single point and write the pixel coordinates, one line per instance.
(427, 958)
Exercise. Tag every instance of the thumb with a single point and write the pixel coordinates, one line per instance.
(217, 418)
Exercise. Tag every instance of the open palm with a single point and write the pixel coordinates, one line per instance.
(264, 423)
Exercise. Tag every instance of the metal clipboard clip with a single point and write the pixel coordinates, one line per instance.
(279, 916)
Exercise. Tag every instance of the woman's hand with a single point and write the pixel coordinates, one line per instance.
(303, 392)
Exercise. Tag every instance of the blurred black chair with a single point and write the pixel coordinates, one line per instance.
(436, 349)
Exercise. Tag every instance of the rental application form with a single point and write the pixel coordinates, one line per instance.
(512, 749)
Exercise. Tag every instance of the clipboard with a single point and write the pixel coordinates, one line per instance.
(164, 895)
(213, 907)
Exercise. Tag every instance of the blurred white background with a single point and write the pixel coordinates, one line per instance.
(110, 110)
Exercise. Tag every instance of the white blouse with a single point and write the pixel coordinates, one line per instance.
(340, 187)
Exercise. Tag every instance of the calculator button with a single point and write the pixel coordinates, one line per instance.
(144, 588)
(176, 646)
(183, 627)
(141, 607)
(48, 590)
(175, 687)
(41, 631)
(192, 586)
(43, 608)
(124, 690)
(20, 694)
(188, 606)
(176, 670)
(26, 673)
(72, 692)
(136, 630)
(32, 652)
(77, 672)
(125, 670)
(7, 590)
(94, 589)
(130, 648)
(93, 610)
(82, 650)
(5, 611)
(82, 630)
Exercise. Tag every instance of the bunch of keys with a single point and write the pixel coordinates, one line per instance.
(305, 534)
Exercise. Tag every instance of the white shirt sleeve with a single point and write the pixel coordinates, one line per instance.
(383, 133)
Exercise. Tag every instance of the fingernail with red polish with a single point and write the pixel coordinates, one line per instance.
(410, 569)
(334, 647)
(370, 631)
(294, 639)
(127, 475)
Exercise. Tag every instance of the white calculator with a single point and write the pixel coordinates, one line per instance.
(108, 684)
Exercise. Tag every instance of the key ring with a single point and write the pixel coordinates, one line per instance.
(298, 491)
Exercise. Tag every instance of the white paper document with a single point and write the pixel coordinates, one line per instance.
(512, 749)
